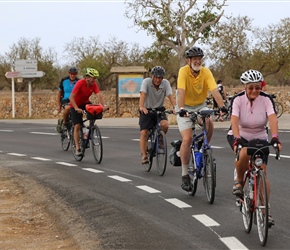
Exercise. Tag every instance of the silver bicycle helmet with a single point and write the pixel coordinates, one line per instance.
(158, 71)
(251, 76)
(73, 70)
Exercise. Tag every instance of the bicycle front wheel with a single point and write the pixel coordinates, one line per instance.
(209, 178)
(279, 109)
(262, 207)
(247, 203)
(65, 139)
(97, 144)
(149, 153)
(161, 153)
(81, 143)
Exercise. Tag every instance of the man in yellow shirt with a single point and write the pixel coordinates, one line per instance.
(194, 82)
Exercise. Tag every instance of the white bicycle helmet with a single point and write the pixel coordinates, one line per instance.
(251, 76)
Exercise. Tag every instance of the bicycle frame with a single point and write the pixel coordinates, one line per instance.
(254, 200)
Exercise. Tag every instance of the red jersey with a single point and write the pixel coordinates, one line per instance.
(83, 92)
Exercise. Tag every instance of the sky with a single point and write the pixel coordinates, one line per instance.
(58, 22)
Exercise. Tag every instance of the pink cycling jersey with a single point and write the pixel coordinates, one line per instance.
(253, 117)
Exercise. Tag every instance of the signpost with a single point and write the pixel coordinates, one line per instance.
(24, 69)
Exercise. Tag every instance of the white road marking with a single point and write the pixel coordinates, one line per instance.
(119, 178)
(205, 220)
(15, 154)
(149, 189)
(66, 164)
(93, 170)
(178, 203)
(6, 130)
(40, 158)
(42, 133)
(282, 156)
(233, 243)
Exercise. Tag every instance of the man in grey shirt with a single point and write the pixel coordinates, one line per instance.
(152, 94)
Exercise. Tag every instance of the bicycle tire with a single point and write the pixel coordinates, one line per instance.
(209, 176)
(161, 153)
(246, 209)
(262, 207)
(97, 144)
(279, 109)
(82, 146)
(149, 153)
(65, 139)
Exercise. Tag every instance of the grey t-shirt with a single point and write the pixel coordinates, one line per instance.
(155, 98)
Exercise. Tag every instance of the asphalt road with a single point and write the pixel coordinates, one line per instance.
(129, 208)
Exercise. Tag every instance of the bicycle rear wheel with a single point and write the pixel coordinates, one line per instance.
(209, 177)
(97, 144)
(65, 139)
(81, 143)
(279, 109)
(246, 207)
(262, 207)
(161, 153)
(150, 153)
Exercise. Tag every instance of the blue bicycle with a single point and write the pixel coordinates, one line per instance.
(157, 145)
(202, 163)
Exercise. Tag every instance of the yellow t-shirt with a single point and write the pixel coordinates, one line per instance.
(196, 89)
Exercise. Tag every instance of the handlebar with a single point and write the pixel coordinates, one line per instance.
(275, 146)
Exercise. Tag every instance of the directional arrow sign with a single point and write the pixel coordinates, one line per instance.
(25, 62)
(28, 74)
(12, 74)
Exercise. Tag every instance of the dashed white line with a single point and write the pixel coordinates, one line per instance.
(149, 189)
(178, 203)
(119, 178)
(282, 156)
(233, 243)
(40, 159)
(66, 164)
(93, 170)
(6, 130)
(42, 133)
(15, 154)
(205, 220)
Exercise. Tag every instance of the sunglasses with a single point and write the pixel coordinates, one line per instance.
(254, 87)
(74, 74)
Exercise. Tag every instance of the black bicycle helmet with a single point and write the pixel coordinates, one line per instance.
(194, 51)
(251, 76)
(73, 70)
(158, 71)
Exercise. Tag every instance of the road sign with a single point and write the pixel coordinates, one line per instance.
(12, 74)
(28, 62)
(32, 74)
(25, 68)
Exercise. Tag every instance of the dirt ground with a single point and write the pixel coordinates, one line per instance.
(27, 220)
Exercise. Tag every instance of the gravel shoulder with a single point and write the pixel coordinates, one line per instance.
(32, 217)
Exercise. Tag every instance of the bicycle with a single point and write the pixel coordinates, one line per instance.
(254, 200)
(278, 107)
(66, 133)
(202, 163)
(93, 134)
(157, 144)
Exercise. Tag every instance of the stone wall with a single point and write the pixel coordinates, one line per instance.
(44, 104)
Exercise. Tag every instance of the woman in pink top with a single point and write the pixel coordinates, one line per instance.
(251, 110)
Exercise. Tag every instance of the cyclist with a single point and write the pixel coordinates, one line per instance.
(64, 90)
(152, 94)
(193, 83)
(79, 97)
(251, 110)
(223, 93)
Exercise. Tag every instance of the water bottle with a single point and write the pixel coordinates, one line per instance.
(86, 134)
(198, 161)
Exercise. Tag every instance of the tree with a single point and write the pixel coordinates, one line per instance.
(176, 24)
